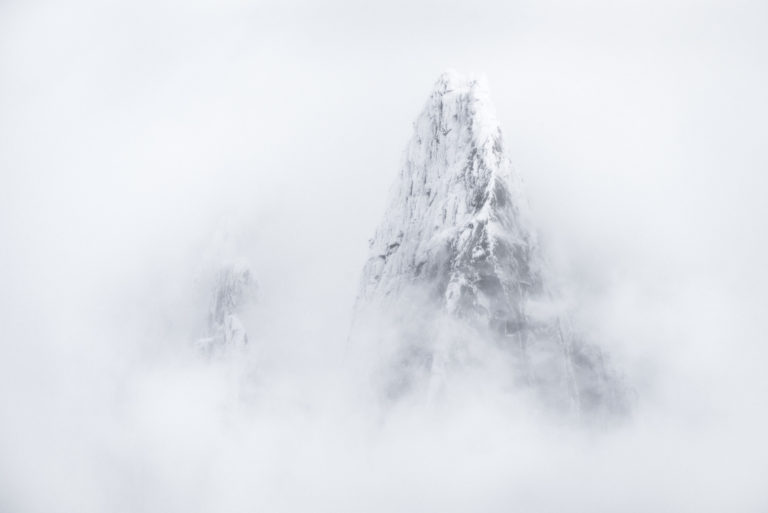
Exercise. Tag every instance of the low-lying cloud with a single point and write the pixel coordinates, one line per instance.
(140, 146)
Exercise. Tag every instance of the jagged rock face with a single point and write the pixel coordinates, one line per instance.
(455, 261)
(234, 289)
(454, 223)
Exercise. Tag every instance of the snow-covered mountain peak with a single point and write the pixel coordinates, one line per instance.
(463, 102)
(451, 81)
(454, 219)
(454, 265)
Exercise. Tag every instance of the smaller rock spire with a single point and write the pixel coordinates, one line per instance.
(234, 289)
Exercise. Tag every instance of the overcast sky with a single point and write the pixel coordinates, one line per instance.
(133, 134)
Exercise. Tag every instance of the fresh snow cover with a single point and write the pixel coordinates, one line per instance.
(454, 266)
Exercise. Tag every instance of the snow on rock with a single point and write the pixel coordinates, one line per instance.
(455, 265)
(234, 289)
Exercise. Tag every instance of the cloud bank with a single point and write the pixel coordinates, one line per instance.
(140, 144)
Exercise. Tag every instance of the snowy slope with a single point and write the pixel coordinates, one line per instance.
(455, 261)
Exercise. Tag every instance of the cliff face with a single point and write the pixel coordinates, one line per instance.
(455, 261)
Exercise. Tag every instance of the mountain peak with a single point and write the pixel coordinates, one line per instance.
(454, 222)
(455, 244)
(452, 81)
(460, 114)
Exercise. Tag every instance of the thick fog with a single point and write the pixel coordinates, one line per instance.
(143, 144)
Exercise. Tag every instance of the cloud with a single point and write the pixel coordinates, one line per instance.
(131, 133)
